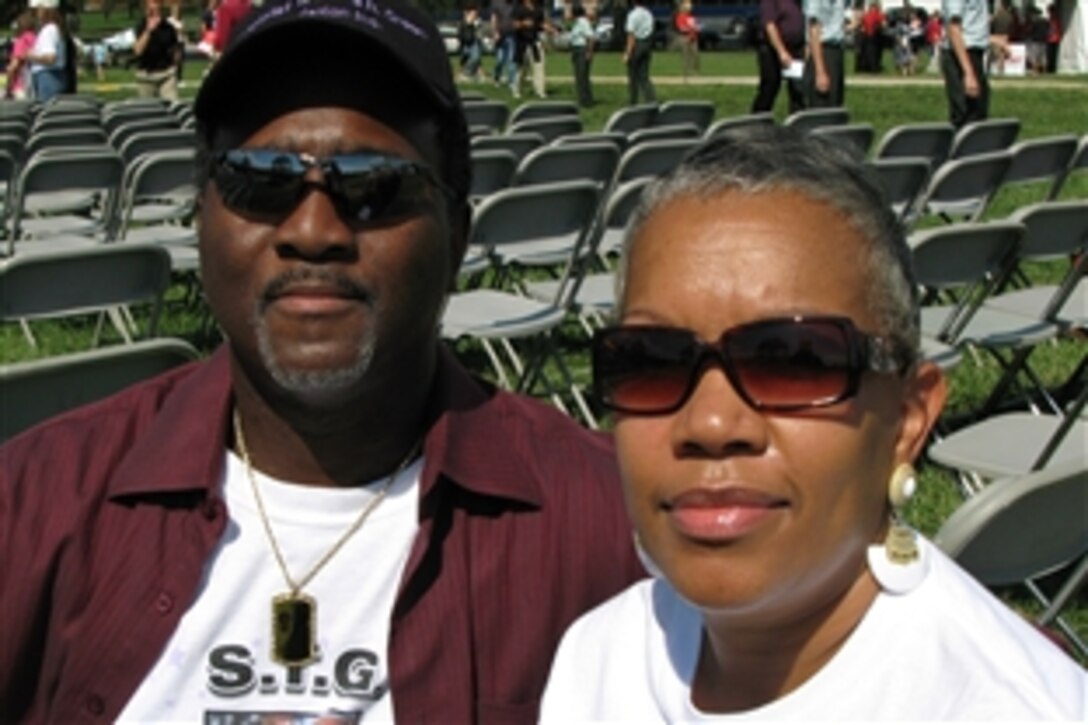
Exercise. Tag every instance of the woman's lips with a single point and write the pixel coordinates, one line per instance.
(719, 515)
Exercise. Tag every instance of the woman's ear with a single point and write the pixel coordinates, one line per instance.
(924, 394)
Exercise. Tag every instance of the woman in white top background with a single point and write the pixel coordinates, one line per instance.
(49, 57)
(769, 401)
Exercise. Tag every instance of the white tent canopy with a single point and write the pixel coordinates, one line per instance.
(1073, 54)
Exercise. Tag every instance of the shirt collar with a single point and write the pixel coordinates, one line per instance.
(182, 450)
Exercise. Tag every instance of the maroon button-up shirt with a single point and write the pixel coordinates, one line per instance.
(108, 515)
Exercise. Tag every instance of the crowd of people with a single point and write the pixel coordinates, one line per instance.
(45, 55)
(330, 519)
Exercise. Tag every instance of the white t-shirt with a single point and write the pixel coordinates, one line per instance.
(640, 23)
(947, 650)
(48, 42)
(217, 667)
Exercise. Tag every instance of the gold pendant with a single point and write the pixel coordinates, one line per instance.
(294, 630)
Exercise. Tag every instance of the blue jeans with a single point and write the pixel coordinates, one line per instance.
(504, 60)
(470, 59)
(48, 83)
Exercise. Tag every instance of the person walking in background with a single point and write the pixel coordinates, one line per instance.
(934, 39)
(502, 27)
(779, 52)
(229, 14)
(18, 70)
(687, 30)
(530, 25)
(967, 34)
(156, 54)
(1053, 36)
(824, 81)
(51, 60)
(903, 51)
(581, 54)
(638, 53)
(869, 51)
(1001, 27)
(468, 36)
(178, 22)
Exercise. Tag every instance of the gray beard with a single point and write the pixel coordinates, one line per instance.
(315, 386)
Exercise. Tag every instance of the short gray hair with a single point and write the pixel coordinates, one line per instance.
(765, 158)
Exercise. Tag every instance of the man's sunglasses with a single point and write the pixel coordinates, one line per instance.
(782, 364)
(364, 186)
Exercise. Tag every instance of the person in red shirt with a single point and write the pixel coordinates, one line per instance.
(227, 15)
(872, 30)
(687, 29)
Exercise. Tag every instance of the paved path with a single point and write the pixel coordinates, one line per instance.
(1078, 83)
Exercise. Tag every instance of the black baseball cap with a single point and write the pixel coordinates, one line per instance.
(402, 35)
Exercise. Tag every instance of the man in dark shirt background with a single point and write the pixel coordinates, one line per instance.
(781, 46)
(156, 50)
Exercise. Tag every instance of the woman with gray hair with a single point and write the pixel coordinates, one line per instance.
(769, 401)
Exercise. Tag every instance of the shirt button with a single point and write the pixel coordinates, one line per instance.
(164, 603)
(211, 509)
(94, 705)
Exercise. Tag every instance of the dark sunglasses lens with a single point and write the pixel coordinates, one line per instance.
(791, 364)
(369, 190)
(643, 370)
(259, 181)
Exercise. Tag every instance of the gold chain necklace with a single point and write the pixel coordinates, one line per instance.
(294, 613)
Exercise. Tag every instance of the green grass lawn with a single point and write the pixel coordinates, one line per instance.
(1043, 109)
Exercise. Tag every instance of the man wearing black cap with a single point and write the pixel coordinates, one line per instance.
(328, 518)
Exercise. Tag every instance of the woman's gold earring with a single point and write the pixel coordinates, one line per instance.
(899, 564)
(900, 545)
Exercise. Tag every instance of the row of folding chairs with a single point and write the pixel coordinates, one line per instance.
(84, 197)
(964, 188)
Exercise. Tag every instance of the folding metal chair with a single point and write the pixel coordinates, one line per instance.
(1021, 528)
(930, 141)
(492, 169)
(1077, 164)
(724, 125)
(550, 128)
(66, 180)
(563, 215)
(903, 181)
(963, 188)
(660, 133)
(490, 115)
(811, 118)
(91, 280)
(595, 162)
(631, 118)
(536, 110)
(517, 143)
(698, 113)
(983, 137)
(617, 139)
(1040, 160)
(858, 136)
(652, 158)
(34, 391)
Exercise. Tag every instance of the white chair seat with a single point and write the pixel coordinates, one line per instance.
(496, 314)
(1031, 301)
(1008, 445)
(992, 327)
(59, 202)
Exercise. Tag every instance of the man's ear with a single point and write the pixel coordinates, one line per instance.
(923, 399)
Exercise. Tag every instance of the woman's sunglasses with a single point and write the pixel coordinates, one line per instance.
(364, 186)
(782, 364)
